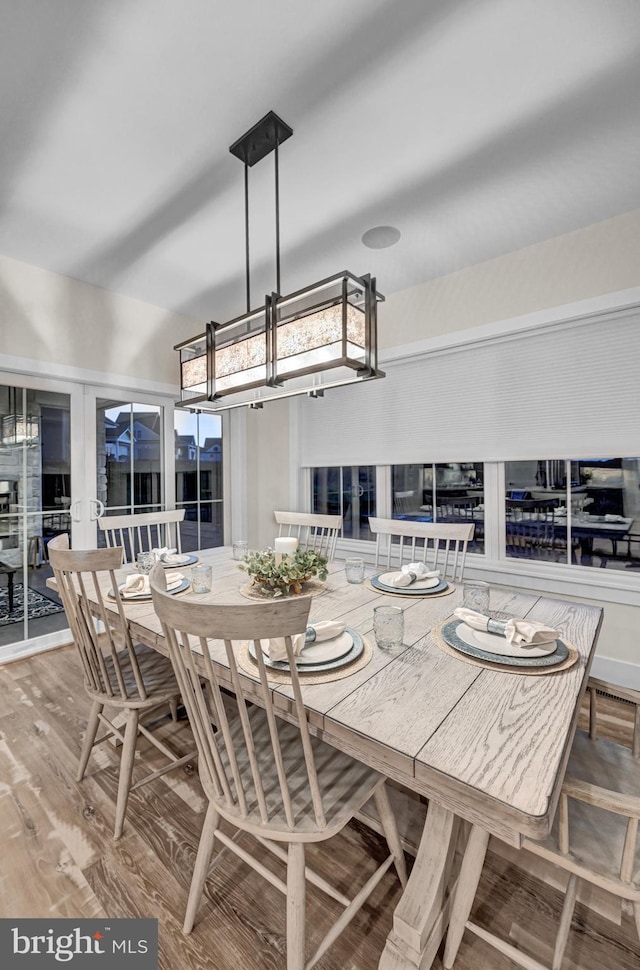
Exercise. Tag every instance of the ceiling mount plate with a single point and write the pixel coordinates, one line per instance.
(261, 139)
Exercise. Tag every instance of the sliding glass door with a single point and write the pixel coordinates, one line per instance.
(35, 505)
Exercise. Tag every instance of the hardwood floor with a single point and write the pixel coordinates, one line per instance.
(59, 859)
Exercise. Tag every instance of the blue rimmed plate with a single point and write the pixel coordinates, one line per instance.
(357, 646)
(425, 587)
(451, 636)
(186, 559)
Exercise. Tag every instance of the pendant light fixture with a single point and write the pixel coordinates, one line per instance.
(322, 336)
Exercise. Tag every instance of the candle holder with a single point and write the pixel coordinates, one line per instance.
(287, 576)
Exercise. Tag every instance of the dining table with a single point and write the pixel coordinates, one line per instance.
(481, 743)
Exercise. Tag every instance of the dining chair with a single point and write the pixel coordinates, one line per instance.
(142, 531)
(601, 688)
(316, 533)
(270, 778)
(132, 679)
(439, 545)
(594, 839)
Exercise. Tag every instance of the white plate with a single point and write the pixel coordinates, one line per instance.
(387, 580)
(493, 643)
(183, 560)
(318, 653)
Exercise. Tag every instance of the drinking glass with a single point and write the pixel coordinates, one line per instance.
(388, 626)
(475, 596)
(354, 569)
(240, 548)
(201, 578)
(145, 562)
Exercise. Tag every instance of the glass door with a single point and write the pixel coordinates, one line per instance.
(35, 506)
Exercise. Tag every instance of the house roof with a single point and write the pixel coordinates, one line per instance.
(475, 128)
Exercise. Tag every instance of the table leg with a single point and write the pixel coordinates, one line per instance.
(421, 916)
(10, 590)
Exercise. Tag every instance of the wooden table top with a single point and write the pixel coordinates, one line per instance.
(488, 746)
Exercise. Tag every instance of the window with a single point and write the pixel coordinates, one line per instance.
(198, 456)
(446, 492)
(348, 491)
(580, 511)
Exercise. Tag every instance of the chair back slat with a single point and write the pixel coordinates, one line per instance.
(442, 545)
(142, 532)
(244, 763)
(314, 532)
(108, 657)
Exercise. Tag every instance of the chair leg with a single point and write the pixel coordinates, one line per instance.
(296, 890)
(89, 737)
(173, 707)
(201, 867)
(126, 770)
(636, 914)
(565, 921)
(468, 880)
(390, 829)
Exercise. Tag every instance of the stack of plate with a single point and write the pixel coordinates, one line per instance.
(421, 587)
(316, 657)
(492, 648)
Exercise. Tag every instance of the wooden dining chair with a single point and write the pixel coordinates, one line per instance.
(120, 675)
(594, 839)
(439, 545)
(316, 533)
(269, 778)
(142, 531)
(601, 688)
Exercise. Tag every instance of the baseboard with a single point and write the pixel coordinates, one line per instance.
(27, 648)
(617, 671)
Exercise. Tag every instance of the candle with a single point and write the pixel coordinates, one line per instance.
(285, 546)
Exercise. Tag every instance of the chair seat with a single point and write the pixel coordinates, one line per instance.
(345, 784)
(157, 674)
(597, 836)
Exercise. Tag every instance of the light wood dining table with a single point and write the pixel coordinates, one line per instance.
(482, 745)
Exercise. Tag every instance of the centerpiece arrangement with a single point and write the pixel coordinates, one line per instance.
(277, 575)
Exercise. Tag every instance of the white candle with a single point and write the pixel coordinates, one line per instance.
(285, 546)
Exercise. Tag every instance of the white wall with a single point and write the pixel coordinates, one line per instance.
(602, 258)
(57, 320)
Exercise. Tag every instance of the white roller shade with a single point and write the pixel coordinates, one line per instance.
(564, 390)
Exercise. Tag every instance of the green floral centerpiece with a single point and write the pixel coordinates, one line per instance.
(289, 576)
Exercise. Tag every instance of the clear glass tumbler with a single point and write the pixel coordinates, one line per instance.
(475, 596)
(145, 561)
(354, 570)
(388, 627)
(240, 548)
(201, 578)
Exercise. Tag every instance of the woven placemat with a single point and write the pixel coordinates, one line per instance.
(313, 587)
(247, 663)
(436, 633)
(408, 596)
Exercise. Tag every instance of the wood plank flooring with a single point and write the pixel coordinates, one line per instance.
(57, 856)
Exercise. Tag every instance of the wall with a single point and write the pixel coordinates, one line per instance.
(602, 258)
(267, 470)
(58, 320)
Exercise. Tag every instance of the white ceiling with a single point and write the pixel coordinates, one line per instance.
(476, 127)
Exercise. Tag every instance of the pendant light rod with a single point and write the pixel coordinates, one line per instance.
(246, 236)
(277, 193)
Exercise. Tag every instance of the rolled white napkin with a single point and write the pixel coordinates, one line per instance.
(165, 554)
(613, 518)
(521, 633)
(276, 648)
(412, 572)
(137, 584)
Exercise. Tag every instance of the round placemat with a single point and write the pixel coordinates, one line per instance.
(427, 596)
(313, 587)
(436, 633)
(246, 661)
